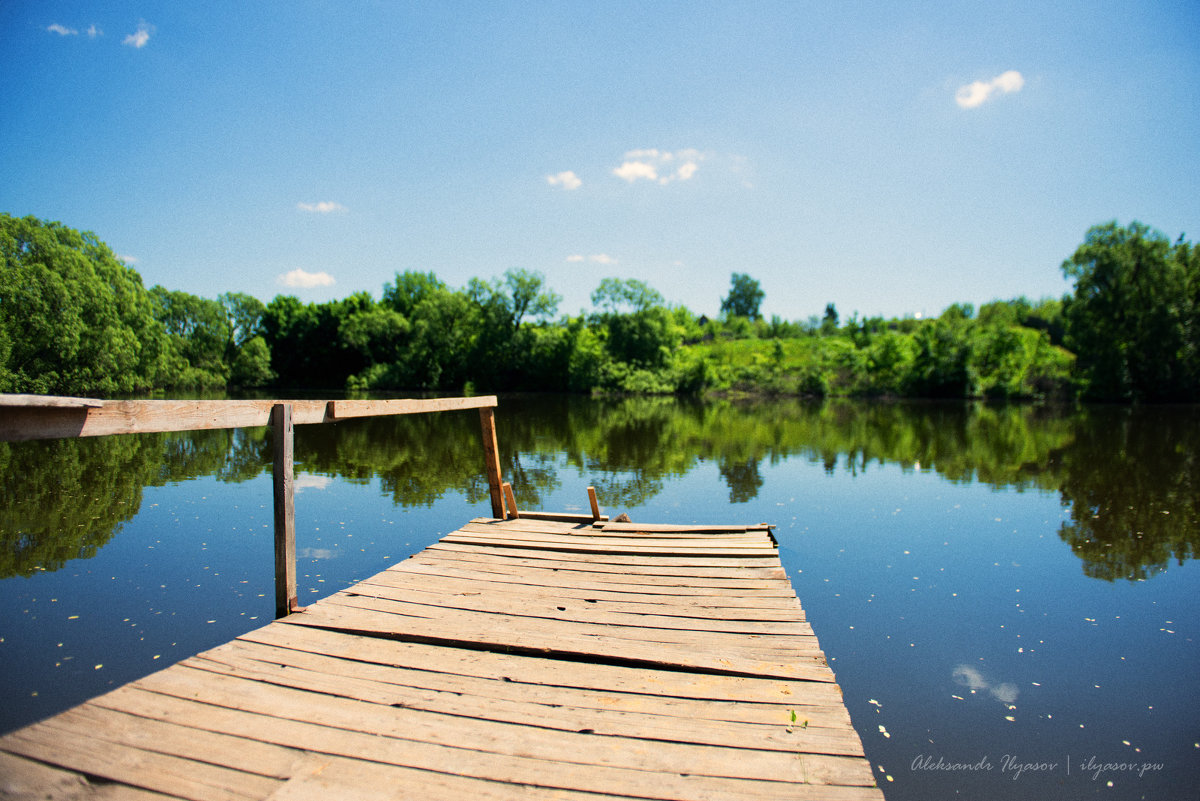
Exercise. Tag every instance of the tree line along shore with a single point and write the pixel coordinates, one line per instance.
(76, 320)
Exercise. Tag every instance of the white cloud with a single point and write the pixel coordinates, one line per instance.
(130, 260)
(633, 170)
(305, 280)
(93, 32)
(139, 38)
(62, 30)
(658, 166)
(567, 180)
(575, 258)
(973, 680)
(305, 481)
(324, 207)
(602, 258)
(976, 94)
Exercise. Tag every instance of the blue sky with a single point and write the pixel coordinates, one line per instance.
(891, 159)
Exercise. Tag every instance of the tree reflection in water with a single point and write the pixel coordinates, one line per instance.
(1129, 476)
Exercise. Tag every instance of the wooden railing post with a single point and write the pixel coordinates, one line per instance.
(491, 460)
(285, 511)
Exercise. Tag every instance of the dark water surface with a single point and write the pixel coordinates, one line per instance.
(1008, 595)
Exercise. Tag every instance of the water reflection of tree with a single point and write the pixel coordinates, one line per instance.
(743, 478)
(64, 499)
(1132, 482)
(1128, 476)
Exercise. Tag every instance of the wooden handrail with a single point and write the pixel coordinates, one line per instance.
(26, 417)
(33, 417)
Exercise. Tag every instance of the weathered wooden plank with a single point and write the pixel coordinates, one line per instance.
(146, 416)
(403, 619)
(649, 558)
(690, 528)
(701, 695)
(371, 781)
(343, 409)
(580, 610)
(511, 702)
(680, 580)
(368, 733)
(162, 737)
(630, 549)
(716, 606)
(518, 634)
(555, 751)
(27, 778)
(341, 778)
(587, 528)
(48, 401)
(24, 417)
(558, 517)
(78, 751)
(684, 545)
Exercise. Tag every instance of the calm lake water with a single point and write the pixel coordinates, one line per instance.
(1008, 595)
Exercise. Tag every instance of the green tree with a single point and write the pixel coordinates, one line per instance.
(252, 365)
(1132, 320)
(616, 295)
(637, 330)
(243, 315)
(200, 335)
(73, 318)
(829, 321)
(744, 298)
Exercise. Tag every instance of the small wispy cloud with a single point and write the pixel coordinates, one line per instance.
(974, 95)
(567, 180)
(973, 680)
(130, 260)
(62, 30)
(138, 38)
(305, 280)
(305, 481)
(323, 207)
(596, 258)
(659, 166)
(93, 32)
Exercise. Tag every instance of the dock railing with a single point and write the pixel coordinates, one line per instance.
(31, 417)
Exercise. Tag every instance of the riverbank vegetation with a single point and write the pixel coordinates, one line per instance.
(75, 319)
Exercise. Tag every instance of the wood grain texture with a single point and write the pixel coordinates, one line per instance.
(515, 659)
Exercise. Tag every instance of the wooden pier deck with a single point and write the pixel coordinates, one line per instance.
(513, 659)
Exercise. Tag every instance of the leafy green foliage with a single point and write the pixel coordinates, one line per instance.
(74, 320)
(1133, 317)
(744, 298)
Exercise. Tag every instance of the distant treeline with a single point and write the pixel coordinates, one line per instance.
(76, 320)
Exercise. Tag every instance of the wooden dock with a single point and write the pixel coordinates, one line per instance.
(514, 659)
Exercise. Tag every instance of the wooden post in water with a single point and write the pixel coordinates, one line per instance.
(285, 511)
(491, 460)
